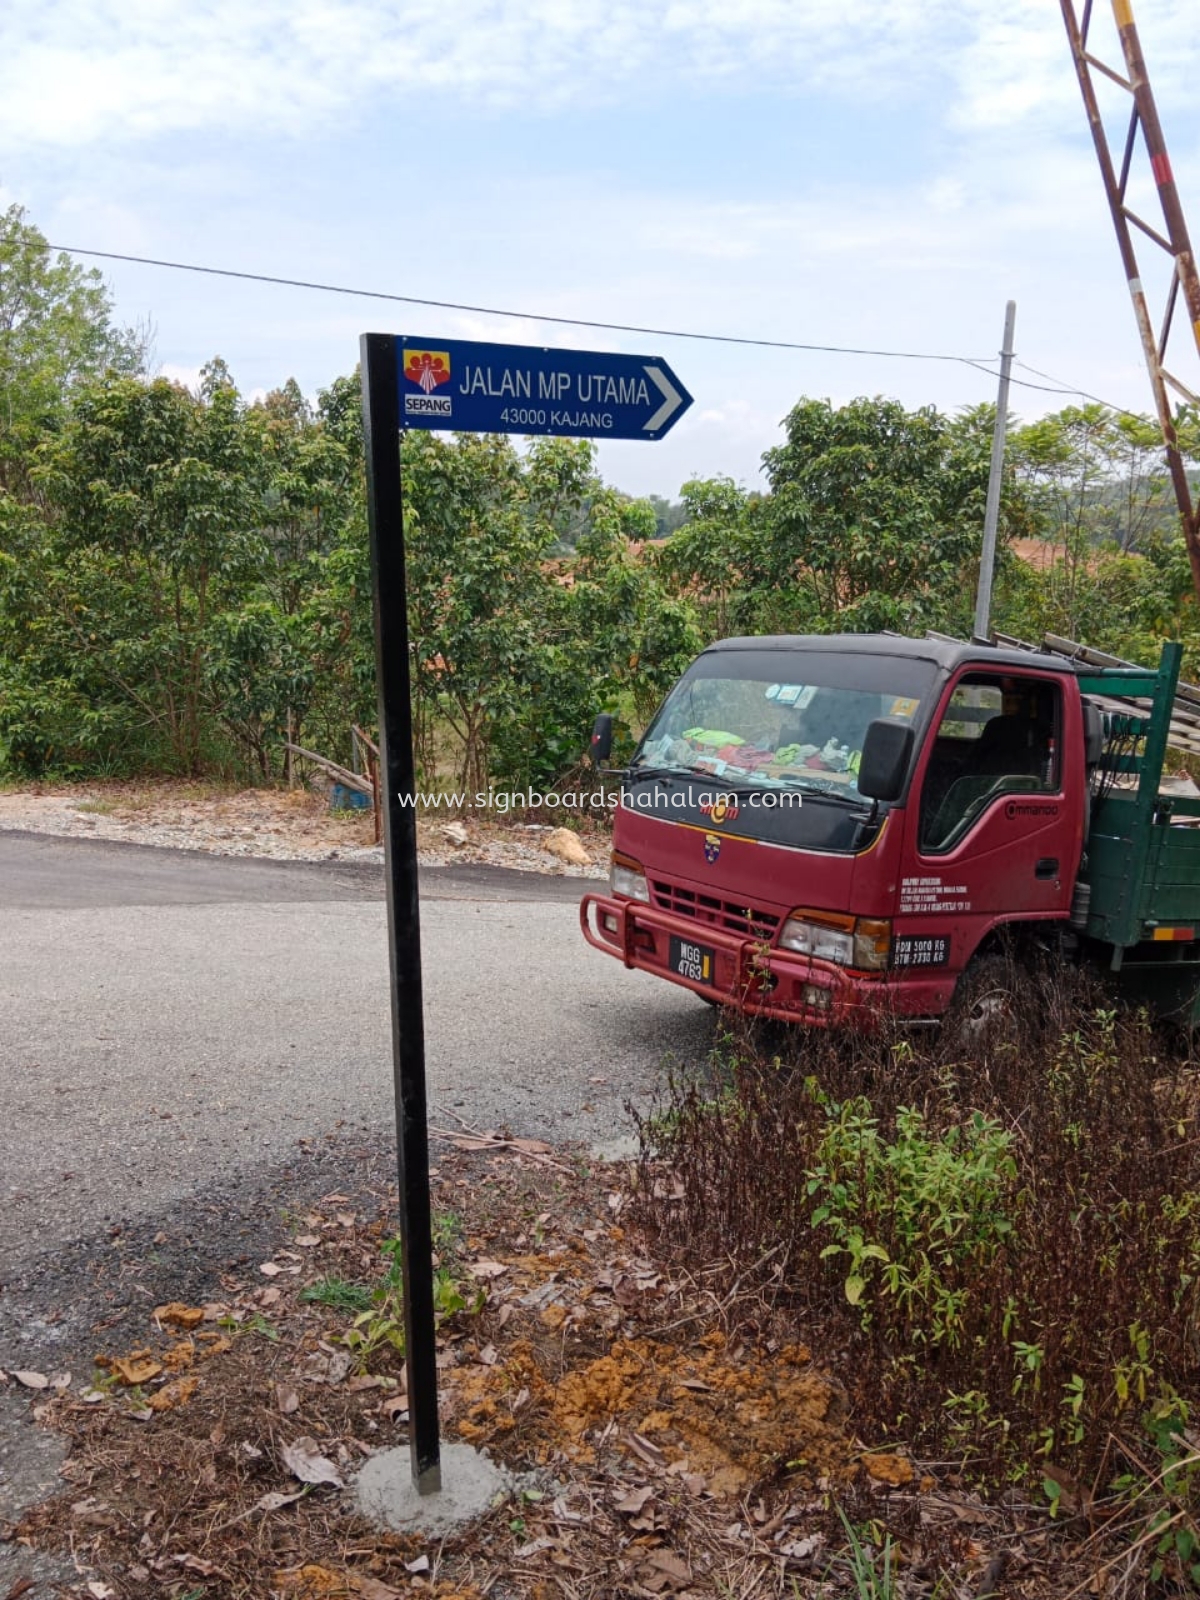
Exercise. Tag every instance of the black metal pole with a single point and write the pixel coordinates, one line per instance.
(385, 510)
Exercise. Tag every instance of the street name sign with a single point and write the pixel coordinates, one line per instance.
(516, 388)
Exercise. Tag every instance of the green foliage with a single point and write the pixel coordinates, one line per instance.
(871, 1561)
(55, 333)
(338, 1294)
(945, 1195)
(876, 515)
(717, 555)
(185, 582)
(379, 1325)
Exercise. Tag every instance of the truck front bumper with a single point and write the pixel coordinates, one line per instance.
(745, 973)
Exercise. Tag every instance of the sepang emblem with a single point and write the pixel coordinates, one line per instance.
(712, 847)
(427, 370)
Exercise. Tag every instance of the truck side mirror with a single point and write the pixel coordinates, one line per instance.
(1093, 733)
(886, 753)
(602, 738)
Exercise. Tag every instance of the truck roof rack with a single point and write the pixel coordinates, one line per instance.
(1184, 727)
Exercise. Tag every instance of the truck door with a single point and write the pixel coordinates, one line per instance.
(992, 836)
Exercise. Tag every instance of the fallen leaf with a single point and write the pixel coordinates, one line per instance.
(632, 1503)
(803, 1549)
(649, 1453)
(372, 1589)
(178, 1315)
(303, 1457)
(100, 1591)
(367, 1380)
(481, 1269)
(396, 1407)
(270, 1269)
(275, 1501)
(32, 1380)
(286, 1399)
(94, 1513)
(667, 1561)
(419, 1564)
(197, 1564)
(535, 1547)
(307, 1240)
(173, 1394)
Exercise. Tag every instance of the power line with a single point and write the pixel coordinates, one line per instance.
(528, 316)
(1073, 389)
(977, 363)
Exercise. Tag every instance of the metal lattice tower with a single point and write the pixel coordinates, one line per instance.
(1172, 237)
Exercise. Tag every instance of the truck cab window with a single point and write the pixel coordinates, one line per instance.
(997, 735)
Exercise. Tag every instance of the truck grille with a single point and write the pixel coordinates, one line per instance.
(746, 920)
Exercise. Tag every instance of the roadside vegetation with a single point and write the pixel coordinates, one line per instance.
(998, 1229)
(184, 584)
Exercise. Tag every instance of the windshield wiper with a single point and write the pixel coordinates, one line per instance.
(641, 770)
(831, 791)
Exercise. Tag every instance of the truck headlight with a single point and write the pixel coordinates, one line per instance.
(861, 942)
(626, 877)
(808, 938)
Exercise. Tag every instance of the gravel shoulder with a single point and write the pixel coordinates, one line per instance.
(279, 824)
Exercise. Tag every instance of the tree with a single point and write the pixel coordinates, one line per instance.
(150, 535)
(480, 523)
(715, 555)
(876, 514)
(56, 333)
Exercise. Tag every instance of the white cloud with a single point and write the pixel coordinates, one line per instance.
(186, 377)
(77, 70)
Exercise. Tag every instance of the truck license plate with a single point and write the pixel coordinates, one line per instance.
(690, 960)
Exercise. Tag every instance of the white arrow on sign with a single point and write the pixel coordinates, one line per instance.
(672, 400)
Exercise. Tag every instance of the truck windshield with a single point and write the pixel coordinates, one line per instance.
(780, 719)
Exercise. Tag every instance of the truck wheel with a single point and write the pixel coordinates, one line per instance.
(984, 1003)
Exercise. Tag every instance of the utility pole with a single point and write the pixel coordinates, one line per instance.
(991, 515)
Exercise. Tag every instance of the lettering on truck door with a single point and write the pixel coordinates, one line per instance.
(991, 834)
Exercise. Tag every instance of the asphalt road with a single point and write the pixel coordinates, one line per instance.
(170, 1021)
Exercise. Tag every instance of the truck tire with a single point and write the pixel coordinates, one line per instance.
(984, 1004)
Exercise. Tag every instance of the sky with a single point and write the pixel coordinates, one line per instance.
(875, 174)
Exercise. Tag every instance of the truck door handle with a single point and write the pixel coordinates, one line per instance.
(1047, 867)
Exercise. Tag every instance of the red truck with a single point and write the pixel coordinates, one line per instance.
(817, 827)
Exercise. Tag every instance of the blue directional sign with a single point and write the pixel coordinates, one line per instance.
(516, 388)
